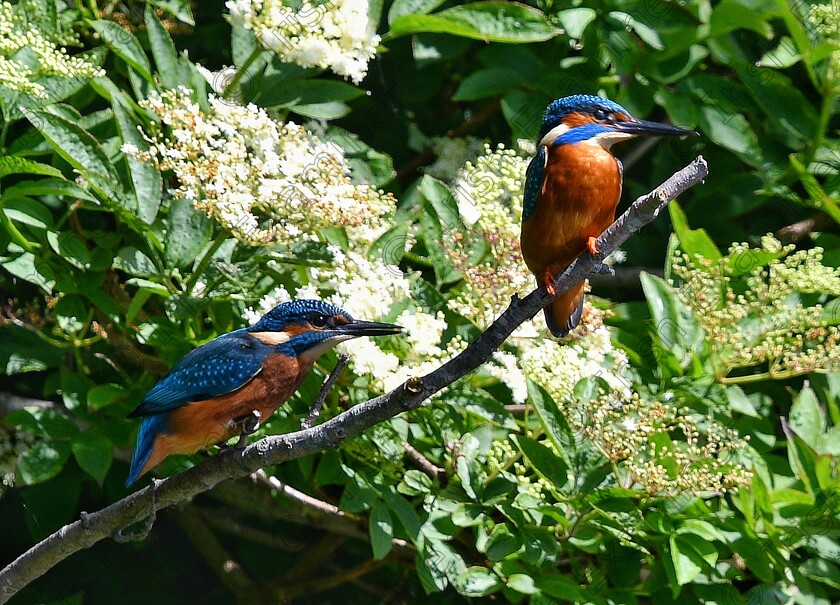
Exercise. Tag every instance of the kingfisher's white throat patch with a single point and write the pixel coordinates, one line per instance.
(552, 134)
(608, 139)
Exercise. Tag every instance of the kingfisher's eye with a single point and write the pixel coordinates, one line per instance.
(319, 321)
(602, 114)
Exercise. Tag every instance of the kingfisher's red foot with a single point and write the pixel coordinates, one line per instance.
(548, 281)
(592, 246)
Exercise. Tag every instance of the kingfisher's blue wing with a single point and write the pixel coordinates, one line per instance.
(533, 182)
(220, 366)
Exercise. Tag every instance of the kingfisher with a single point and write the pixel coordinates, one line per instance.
(572, 188)
(227, 386)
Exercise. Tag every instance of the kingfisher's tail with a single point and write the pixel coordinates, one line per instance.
(564, 313)
(150, 428)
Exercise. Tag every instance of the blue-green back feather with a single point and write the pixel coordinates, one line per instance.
(533, 182)
(218, 367)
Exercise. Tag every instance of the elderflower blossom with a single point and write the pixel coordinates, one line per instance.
(489, 196)
(625, 430)
(337, 35)
(31, 50)
(758, 318)
(265, 181)
(826, 20)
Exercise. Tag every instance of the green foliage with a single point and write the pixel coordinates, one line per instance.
(686, 454)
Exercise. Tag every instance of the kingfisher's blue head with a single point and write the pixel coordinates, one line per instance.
(308, 328)
(588, 118)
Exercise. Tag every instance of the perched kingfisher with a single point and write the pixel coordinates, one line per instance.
(226, 386)
(572, 188)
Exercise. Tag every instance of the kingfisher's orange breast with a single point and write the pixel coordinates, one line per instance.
(200, 424)
(580, 192)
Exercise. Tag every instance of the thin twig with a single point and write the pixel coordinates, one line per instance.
(427, 465)
(325, 389)
(276, 449)
(298, 496)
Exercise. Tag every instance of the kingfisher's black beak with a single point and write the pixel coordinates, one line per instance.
(654, 129)
(367, 328)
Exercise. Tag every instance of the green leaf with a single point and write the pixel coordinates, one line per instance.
(732, 15)
(163, 50)
(575, 20)
(489, 82)
(42, 461)
(93, 452)
(74, 388)
(677, 333)
(547, 464)
(522, 583)
(694, 242)
(411, 7)
(502, 542)
(297, 93)
(732, 131)
(26, 211)
(647, 34)
(415, 483)
(442, 201)
(821, 571)
(806, 417)
(331, 110)
(70, 247)
(105, 394)
(125, 45)
(179, 8)
(74, 144)
(134, 262)
(188, 233)
(686, 565)
(146, 180)
(552, 419)
(381, 531)
(488, 21)
(561, 587)
(478, 582)
(12, 164)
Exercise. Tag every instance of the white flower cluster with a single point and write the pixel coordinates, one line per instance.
(28, 53)
(265, 181)
(336, 34)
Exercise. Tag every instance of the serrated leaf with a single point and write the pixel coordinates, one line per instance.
(74, 144)
(163, 50)
(125, 45)
(146, 180)
(188, 234)
(12, 164)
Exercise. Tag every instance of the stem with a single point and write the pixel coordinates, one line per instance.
(234, 81)
(205, 260)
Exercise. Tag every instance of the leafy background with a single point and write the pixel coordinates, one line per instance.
(87, 250)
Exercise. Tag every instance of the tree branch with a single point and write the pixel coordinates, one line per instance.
(281, 448)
